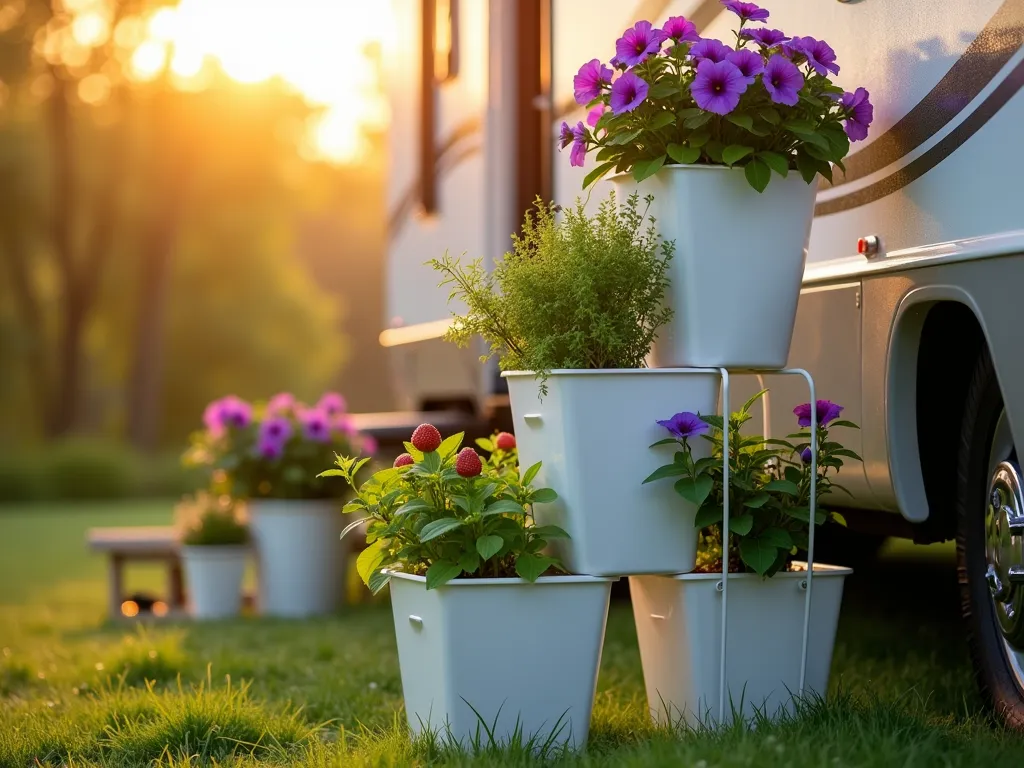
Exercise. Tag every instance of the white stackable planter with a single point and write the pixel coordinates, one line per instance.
(521, 655)
(299, 556)
(214, 577)
(679, 627)
(738, 264)
(591, 431)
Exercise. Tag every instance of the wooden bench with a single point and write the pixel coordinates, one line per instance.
(142, 543)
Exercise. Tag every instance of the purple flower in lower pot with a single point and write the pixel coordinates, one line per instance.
(685, 424)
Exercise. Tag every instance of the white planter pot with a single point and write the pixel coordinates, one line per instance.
(592, 431)
(738, 264)
(300, 558)
(679, 623)
(517, 653)
(214, 577)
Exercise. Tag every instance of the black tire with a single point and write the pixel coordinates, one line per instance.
(992, 670)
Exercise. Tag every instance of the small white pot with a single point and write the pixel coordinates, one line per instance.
(679, 627)
(300, 558)
(516, 653)
(592, 432)
(738, 264)
(214, 577)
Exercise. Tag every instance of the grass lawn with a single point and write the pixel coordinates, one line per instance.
(74, 691)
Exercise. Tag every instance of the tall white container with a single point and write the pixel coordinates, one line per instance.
(300, 560)
(738, 264)
(679, 627)
(214, 577)
(479, 654)
(592, 431)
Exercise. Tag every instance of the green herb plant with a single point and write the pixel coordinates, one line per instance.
(769, 488)
(217, 526)
(447, 514)
(575, 291)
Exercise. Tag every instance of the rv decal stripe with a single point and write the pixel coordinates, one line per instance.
(1005, 91)
(994, 46)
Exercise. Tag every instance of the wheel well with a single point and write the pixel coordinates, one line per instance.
(951, 341)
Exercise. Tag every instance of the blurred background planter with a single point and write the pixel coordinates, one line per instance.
(214, 577)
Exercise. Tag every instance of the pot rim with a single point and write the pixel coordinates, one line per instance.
(215, 548)
(821, 570)
(509, 582)
(612, 372)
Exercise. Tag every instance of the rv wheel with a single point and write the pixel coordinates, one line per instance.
(990, 558)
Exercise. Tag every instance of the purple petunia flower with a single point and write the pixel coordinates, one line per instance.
(235, 412)
(282, 402)
(370, 444)
(860, 112)
(579, 146)
(269, 449)
(711, 49)
(595, 114)
(616, 63)
(819, 54)
(680, 29)
(805, 455)
(767, 38)
(685, 424)
(637, 43)
(749, 64)
(628, 93)
(565, 136)
(783, 80)
(332, 403)
(827, 411)
(315, 425)
(591, 81)
(746, 11)
(276, 429)
(717, 87)
(345, 424)
(213, 418)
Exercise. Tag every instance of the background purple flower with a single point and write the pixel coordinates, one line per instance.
(717, 87)
(213, 418)
(819, 54)
(332, 403)
(344, 424)
(805, 455)
(680, 29)
(590, 81)
(628, 93)
(565, 136)
(748, 63)
(281, 402)
(827, 411)
(315, 425)
(746, 11)
(578, 152)
(860, 112)
(270, 450)
(370, 444)
(235, 412)
(276, 429)
(783, 80)
(765, 37)
(710, 49)
(638, 42)
(685, 424)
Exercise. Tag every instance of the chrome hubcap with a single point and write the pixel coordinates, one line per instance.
(1004, 551)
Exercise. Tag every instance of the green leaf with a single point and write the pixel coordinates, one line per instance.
(782, 486)
(436, 528)
(412, 450)
(599, 173)
(770, 115)
(798, 125)
(695, 490)
(624, 138)
(696, 121)
(741, 525)
(356, 505)
(778, 537)
(549, 532)
(666, 441)
(756, 501)
(332, 473)
(847, 453)
(775, 161)
(485, 444)
(504, 507)
(432, 462)
(378, 580)
(531, 473)
(734, 153)
(698, 139)
(544, 496)
(793, 475)
(741, 119)
(369, 560)
(450, 445)
(807, 166)
(710, 514)
(646, 168)
(441, 573)
(839, 519)
(843, 423)
(662, 119)
(414, 505)
(469, 561)
(758, 174)
(758, 554)
(489, 545)
(662, 90)
(683, 155)
(713, 149)
(530, 567)
(803, 514)
(669, 470)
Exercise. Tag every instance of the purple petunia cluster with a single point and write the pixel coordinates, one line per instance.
(770, 66)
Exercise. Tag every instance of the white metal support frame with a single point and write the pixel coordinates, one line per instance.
(726, 413)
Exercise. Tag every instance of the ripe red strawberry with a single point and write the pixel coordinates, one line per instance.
(468, 463)
(504, 441)
(403, 460)
(426, 438)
